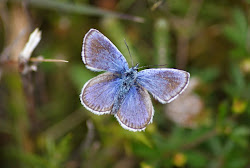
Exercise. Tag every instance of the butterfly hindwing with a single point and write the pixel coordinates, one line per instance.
(100, 54)
(99, 93)
(164, 84)
(136, 111)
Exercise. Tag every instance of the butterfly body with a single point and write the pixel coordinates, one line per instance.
(123, 91)
(128, 79)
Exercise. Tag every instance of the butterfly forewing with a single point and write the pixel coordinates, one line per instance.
(136, 111)
(100, 54)
(164, 84)
(99, 93)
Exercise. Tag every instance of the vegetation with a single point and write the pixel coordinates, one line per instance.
(43, 124)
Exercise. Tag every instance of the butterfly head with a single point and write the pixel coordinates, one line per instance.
(131, 73)
(136, 67)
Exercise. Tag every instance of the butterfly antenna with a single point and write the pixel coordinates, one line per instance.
(129, 52)
(147, 66)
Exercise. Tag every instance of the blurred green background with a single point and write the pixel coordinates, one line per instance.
(43, 124)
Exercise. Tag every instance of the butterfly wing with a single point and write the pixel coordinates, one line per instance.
(164, 84)
(136, 111)
(100, 54)
(98, 93)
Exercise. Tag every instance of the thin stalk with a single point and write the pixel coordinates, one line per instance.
(80, 9)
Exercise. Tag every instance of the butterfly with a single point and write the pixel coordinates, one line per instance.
(123, 91)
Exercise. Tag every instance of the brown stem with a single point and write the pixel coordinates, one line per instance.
(40, 59)
(182, 51)
(199, 140)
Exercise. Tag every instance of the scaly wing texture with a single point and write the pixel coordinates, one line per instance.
(136, 111)
(164, 84)
(100, 54)
(98, 93)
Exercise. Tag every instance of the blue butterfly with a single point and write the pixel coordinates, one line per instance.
(123, 91)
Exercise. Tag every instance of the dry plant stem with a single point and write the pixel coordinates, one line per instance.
(81, 9)
(156, 5)
(35, 60)
(7, 50)
(194, 10)
(86, 143)
(28, 88)
(199, 140)
(182, 51)
(194, 143)
(28, 80)
(5, 19)
(60, 128)
(28, 14)
(89, 137)
(183, 38)
(39, 59)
